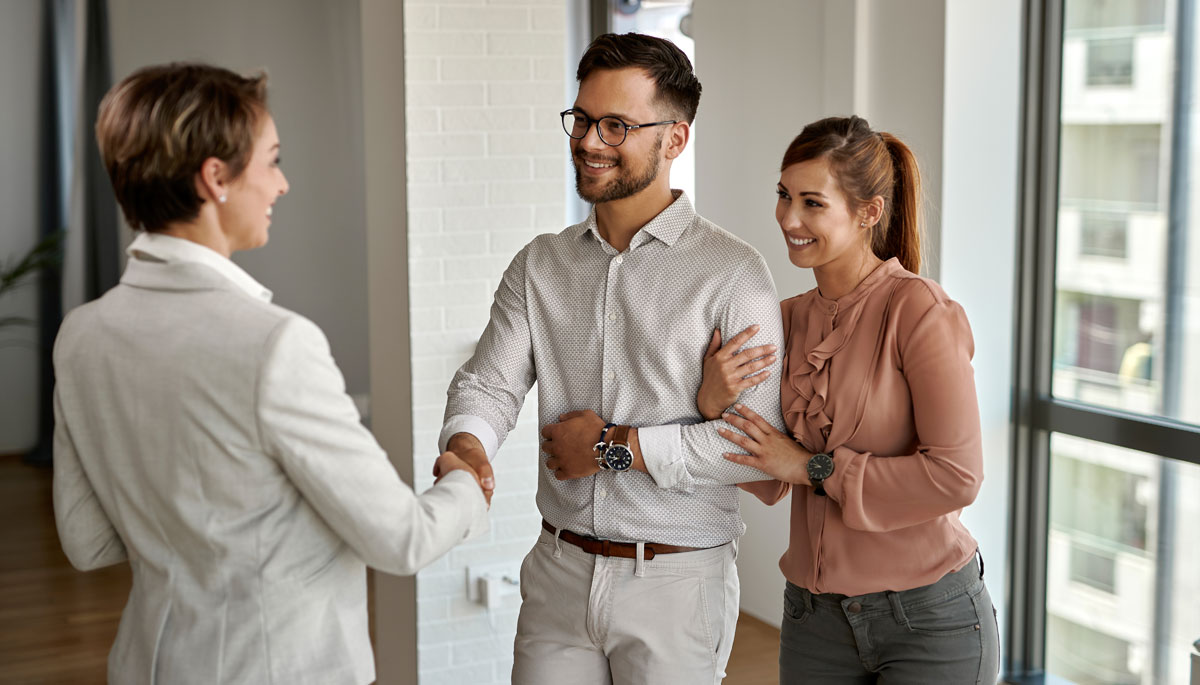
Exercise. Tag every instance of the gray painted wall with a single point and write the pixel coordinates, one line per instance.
(20, 46)
(315, 261)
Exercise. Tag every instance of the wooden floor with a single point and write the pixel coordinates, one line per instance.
(57, 624)
(755, 658)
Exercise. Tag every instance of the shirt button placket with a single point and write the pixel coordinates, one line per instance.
(608, 377)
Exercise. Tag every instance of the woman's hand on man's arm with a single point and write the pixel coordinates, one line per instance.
(728, 370)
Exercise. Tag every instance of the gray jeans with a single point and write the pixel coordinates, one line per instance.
(944, 633)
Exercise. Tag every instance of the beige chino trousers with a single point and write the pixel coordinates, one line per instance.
(592, 620)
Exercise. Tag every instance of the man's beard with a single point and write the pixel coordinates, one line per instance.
(624, 185)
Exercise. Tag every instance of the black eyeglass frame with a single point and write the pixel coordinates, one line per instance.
(626, 128)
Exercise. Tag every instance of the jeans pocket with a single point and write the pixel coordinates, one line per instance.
(794, 609)
(955, 615)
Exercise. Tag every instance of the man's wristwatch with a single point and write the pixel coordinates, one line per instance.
(601, 446)
(618, 456)
(820, 467)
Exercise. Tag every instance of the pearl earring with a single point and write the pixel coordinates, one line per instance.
(221, 199)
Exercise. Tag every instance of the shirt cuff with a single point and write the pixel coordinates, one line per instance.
(843, 460)
(465, 423)
(662, 451)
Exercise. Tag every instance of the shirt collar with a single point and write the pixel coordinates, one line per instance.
(667, 226)
(166, 248)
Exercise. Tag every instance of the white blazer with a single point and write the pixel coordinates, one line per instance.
(205, 435)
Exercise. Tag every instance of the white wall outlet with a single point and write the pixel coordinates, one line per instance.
(488, 583)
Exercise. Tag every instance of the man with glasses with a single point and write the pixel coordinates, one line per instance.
(633, 577)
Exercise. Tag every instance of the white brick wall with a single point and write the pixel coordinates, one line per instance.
(486, 171)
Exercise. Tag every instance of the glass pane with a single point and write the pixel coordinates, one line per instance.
(1122, 524)
(1126, 331)
(670, 19)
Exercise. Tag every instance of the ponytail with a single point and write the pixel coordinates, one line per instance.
(900, 234)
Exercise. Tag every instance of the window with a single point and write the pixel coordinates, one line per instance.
(1107, 482)
(1096, 658)
(1095, 568)
(1110, 62)
(670, 19)
(1103, 234)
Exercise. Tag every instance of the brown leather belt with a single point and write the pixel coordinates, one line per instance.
(608, 548)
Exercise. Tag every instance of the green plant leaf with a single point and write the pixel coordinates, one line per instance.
(46, 253)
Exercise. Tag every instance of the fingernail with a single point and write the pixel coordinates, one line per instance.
(772, 348)
(738, 406)
(489, 483)
(755, 327)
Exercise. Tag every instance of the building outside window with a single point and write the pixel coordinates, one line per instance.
(1122, 551)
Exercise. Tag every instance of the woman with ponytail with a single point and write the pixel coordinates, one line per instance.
(884, 583)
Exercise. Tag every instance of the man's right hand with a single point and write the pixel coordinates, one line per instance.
(468, 448)
(449, 461)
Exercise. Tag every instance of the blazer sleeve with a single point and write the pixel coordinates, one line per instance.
(880, 493)
(87, 534)
(311, 426)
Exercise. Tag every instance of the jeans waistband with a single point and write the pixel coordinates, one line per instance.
(952, 584)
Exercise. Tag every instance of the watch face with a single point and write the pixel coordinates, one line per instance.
(619, 457)
(820, 467)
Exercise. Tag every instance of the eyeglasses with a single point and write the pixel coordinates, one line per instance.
(612, 131)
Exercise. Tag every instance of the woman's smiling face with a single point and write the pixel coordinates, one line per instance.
(818, 223)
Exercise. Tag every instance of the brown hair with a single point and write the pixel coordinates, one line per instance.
(157, 126)
(867, 163)
(677, 85)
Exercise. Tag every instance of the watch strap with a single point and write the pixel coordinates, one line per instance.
(620, 436)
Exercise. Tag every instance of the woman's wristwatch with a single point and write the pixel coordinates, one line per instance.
(820, 467)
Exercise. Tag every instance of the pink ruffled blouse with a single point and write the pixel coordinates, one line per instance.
(880, 378)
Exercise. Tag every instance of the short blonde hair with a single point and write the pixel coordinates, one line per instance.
(157, 126)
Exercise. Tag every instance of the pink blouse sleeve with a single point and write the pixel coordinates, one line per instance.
(880, 493)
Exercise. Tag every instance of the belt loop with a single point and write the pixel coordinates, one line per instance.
(897, 607)
(807, 596)
(557, 544)
(639, 566)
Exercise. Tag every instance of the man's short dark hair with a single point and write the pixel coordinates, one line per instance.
(678, 87)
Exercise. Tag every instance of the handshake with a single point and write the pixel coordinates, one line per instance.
(464, 452)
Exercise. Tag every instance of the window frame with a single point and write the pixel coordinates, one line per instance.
(1036, 413)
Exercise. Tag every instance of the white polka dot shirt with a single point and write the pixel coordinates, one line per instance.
(624, 334)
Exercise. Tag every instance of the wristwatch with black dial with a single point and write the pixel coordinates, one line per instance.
(618, 456)
(820, 467)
